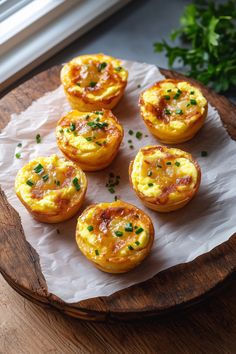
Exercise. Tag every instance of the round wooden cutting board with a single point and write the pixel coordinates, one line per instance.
(171, 289)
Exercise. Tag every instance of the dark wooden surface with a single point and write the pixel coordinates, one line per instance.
(172, 289)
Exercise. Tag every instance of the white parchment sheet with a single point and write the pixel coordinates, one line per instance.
(208, 220)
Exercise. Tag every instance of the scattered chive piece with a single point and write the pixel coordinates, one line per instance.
(18, 155)
(89, 138)
(136, 227)
(193, 102)
(179, 111)
(149, 173)
(99, 112)
(72, 127)
(98, 143)
(188, 104)
(166, 97)
(129, 141)
(90, 228)
(19, 145)
(115, 198)
(131, 147)
(111, 190)
(176, 96)
(192, 92)
(168, 163)
(177, 163)
(75, 133)
(97, 252)
(159, 166)
(30, 183)
(179, 91)
(167, 111)
(38, 139)
(87, 117)
(118, 233)
(68, 130)
(57, 182)
(76, 184)
(61, 131)
(169, 90)
(92, 84)
(45, 177)
(129, 227)
(118, 68)
(97, 125)
(139, 135)
(77, 83)
(150, 184)
(137, 243)
(130, 248)
(204, 153)
(130, 132)
(39, 168)
(101, 66)
(138, 86)
(139, 230)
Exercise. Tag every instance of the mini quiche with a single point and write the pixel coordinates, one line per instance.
(115, 236)
(51, 188)
(173, 110)
(165, 179)
(93, 82)
(91, 139)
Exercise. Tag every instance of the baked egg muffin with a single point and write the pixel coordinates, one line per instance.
(164, 179)
(95, 81)
(173, 110)
(91, 139)
(115, 236)
(51, 188)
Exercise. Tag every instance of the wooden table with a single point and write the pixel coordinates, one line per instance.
(208, 328)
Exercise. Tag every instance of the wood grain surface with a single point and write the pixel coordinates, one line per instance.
(169, 290)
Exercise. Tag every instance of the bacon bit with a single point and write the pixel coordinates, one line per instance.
(118, 245)
(69, 171)
(62, 203)
(184, 180)
(165, 193)
(37, 193)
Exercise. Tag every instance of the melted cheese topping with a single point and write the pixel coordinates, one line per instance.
(108, 232)
(50, 184)
(96, 77)
(91, 137)
(172, 106)
(166, 174)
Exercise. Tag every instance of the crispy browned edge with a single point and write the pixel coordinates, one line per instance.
(172, 289)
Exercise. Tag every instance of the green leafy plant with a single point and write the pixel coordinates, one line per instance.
(208, 34)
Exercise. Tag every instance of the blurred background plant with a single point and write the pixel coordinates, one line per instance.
(208, 52)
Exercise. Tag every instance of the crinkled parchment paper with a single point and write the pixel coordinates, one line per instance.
(208, 220)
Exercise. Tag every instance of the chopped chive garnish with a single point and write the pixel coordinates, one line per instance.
(130, 132)
(97, 252)
(118, 233)
(98, 143)
(177, 163)
(149, 173)
(179, 91)
(92, 84)
(87, 117)
(68, 130)
(75, 133)
(57, 182)
(167, 111)
(129, 227)
(136, 227)
(166, 97)
(101, 66)
(45, 177)
(38, 139)
(139, 135)
(30, 183)
(204, 153)
(111, 190)
(97, 125)
(188, 104)
(179, 111)
(168, 163)
(129, 141)
(192, 92)
(176, 96)
(39, 168)
(118, 68)
(193, 102)
(61, 131)
(89, 138)
(72, 127)
(18, 155)
(76, 184)
(137, 243)
(150, 184)
(90, 228)
(138, 86)
(139, 230)
(169, 90)
(19, 145)
(130, 248)
(77, 83)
